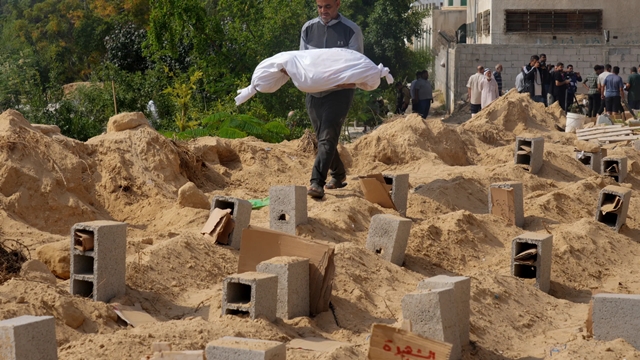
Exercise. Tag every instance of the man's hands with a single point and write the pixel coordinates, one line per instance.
(346, 86)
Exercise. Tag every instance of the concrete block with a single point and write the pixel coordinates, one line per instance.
(177, 355)
(518, 197)
(241, 213)
(433, 315)
(99, 273)
(293, 284)
(538, 265)
(461, 286)
(28, 338)
(615, 316)
(234, 348)
(609, 165)
(609, 195)
(531, 160)
(592, 160)
(287, 208)
(388, 237)
(250, 293)
(399, 191)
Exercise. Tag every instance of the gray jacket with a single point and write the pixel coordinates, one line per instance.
(338, 33)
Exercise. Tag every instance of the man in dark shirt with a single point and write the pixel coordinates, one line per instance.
(591, 84)
(560, 86)
(574, 78)
(633, 86)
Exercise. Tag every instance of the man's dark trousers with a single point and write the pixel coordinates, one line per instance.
(327, 115)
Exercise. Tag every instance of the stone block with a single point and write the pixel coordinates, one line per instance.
(537, 265)
(461, 286)
(611, 195)
(99, 273)
(234, 348)
(177, 355)
(433, 315)
(388, 237)
(399, 191)
(616, 167)
(529, 152)
(287, 208)
(518, 199)
(252, 293)
(28, 338)
(293, 284)
(615, 316)
(592, 160)
(240, 212)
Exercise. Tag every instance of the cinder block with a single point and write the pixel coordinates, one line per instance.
(592, 160)
(615, 316)
(616, 167)
(234, 348)
(177, 355)
(518, 199)
(609, 195)
(529, 152)
(100, 273)
(399, 191)
(28, 338)
(461, 286)
(388, 237)
(433, 315)
(250, 293)
(287, 208)
(538, 265)
(241, 213)
(293, 284)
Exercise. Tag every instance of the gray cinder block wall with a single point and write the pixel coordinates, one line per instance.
(234, 348)
(608, 195)
(388, 237)
(250, 293)
(592, 160)
(518, 199)
(293, 284)
(399, 191)
(461, 286)
(100, 273)
(433, 315)
(540, 268)
(615, 316)
(287, 208)
(533, 161)
(610, 161)
(241, 213)
(28, 338)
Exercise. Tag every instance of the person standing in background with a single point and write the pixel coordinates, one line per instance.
(613, 91)
(497, 75)
(561, 84)
(414, 99)
(591, 84)
(474, 94)
(633, 87)
(490, 90)
(424, 93)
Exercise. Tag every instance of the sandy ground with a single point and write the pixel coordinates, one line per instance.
(49, 182)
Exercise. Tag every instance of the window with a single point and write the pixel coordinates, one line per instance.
(553, 21)
(463, 2)
(450, 2)
(486, 22)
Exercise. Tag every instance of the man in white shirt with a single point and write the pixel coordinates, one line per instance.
(601, 78)
(475, 91)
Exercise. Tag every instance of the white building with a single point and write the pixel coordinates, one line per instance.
(447, 16)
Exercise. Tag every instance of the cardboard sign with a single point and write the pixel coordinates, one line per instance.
(316, 344)
(219, 225)
(389, 343)
(503, 204)
(133, 315)
(376, 190)
(260, 244)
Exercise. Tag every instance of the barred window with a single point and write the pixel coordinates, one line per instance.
(486, 22)
(553, 21)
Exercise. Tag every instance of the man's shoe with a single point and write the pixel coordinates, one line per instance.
(315, 191)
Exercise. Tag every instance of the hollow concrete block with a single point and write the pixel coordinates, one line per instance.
(615, 316)
(518, 199)
(538, 265)
(399, 191)
(388, 237)
(591, 160)
(293, 284)
(28, 338)
(532, 160)
(250, 293)
(240, 212)
(609, 194)
(608, 168)
(287, 208)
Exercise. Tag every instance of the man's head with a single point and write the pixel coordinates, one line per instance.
(634, 69)
(543, 57)
(425, 74)
(398, 85)
(607, 67)
(570, 68)
(418, 74)
(598, 69)
(534, 59)
(328, 9)
(560, 67)
(616, 70)
(480, 69)
(499, 68)
(487, 73)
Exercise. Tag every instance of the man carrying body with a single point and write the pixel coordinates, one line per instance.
(328, 109)
(474, 94)
(591, 84)
(613, 91)
(424, 94)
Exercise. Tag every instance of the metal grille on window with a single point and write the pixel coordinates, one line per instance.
(553, 21)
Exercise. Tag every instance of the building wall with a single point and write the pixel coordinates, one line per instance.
(447, 20)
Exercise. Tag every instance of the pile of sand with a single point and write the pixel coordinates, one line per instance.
(49, 182)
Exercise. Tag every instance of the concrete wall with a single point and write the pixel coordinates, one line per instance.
(618, 17)
(447, 19)
(464, 59)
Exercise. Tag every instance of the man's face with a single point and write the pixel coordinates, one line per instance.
(570, 68)
(560, 68)
(328, 9)
(488, 75)
(499, 69)
(543, 58)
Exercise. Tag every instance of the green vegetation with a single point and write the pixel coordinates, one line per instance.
(188, 56)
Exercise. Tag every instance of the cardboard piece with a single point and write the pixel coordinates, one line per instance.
(83, 240)
(376, 190)
(219, 225)
(316, 344)
(260, 244)
(503, 204)
(612, 170)
(527, 257)
(176, 355)
(389, 343)
(611, 206)
(133, 315)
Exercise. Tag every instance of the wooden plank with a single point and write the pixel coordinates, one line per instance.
(597, 136)
(389, 343)
(606, 128)
(598, 128)
(621, 138)
(604, 132)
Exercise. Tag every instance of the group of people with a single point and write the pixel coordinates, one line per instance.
(606, 90)
(419, 95)
(484, 87)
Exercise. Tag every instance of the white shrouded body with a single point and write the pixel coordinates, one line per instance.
(314, 71)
